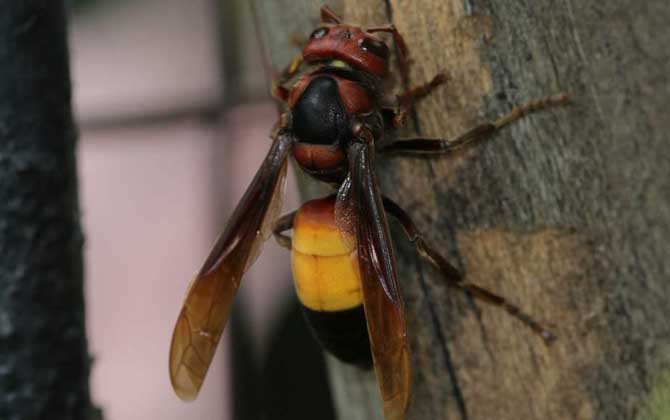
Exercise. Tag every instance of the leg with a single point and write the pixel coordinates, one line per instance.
(280, 91)
(407, 100)
(403, 52)
(480, 132)
(454, 278)
(329, 16)
(281, 225)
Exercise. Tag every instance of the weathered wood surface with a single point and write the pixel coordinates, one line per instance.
(44, 363)
(566, 213)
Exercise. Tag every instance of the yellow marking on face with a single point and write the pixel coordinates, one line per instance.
(338, 63)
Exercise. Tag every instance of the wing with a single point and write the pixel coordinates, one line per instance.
(209, 299)
(383, 306)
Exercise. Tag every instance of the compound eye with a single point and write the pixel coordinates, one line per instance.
(319, 33)
(375, 47)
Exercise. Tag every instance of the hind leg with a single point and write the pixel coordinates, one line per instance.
(455, 279)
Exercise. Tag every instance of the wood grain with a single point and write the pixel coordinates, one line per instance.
(566, 213)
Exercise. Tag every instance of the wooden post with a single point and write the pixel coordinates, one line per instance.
(44, 363)
(566, 212)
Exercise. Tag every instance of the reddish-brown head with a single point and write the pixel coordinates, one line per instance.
(358, 48)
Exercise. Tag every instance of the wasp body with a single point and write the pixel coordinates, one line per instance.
(336, 120)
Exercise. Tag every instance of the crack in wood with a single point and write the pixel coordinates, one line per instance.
(457, 392)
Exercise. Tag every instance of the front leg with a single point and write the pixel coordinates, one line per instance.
(401, 48)
(478, 133)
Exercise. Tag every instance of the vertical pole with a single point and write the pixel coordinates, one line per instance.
(44, 363)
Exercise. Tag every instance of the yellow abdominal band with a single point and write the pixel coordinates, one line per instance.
(325, 268)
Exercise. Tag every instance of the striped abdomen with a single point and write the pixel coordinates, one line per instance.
(327, 281)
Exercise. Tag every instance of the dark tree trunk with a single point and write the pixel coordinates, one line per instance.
(44, 362)
(566, 212)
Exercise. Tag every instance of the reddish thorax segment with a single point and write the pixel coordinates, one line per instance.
(318, 156)
(343, 42)
(355, 98)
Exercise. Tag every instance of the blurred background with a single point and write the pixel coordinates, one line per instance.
(174, 118)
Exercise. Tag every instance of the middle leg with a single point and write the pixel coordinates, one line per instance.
(281, 225)
(453, 276)
(407, 100)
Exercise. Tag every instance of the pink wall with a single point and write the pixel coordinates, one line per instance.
(152, 195)
(147, 212)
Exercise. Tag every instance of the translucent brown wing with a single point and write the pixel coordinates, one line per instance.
(383, 306)
(209, 299)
